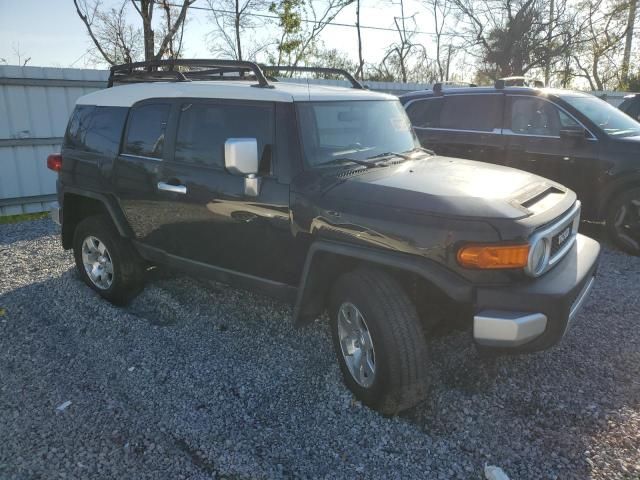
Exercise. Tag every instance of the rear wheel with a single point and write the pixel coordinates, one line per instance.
(378, 340)
(107, 262)
(623, 221)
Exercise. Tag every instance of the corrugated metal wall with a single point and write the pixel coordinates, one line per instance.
(35, 104)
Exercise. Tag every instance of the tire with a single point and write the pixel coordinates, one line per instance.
(116, 275)
(399, 351)
(623, 221)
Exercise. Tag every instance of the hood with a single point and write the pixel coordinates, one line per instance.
(452, 186)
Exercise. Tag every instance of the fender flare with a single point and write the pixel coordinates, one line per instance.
(110, 205)
(318, 272)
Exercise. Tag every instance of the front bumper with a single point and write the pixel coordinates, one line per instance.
(535, 315)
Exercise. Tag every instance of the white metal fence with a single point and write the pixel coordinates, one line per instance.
(35, 104)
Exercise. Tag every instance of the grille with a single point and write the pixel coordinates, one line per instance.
(559, 237)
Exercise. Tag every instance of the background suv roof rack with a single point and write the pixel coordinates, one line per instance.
(519, 81)
(335, 71)
(438, 86)
(183, 70)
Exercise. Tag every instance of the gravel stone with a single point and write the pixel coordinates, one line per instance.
(196, 380)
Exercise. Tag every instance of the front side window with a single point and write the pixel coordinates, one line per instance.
(353, 130)
(426, 113)
(481, 113)
(203, 129)
(146, 130)
(611, 120)
(535, 116)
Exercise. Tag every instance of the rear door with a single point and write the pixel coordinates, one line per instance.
(461, 125)
(532, 132)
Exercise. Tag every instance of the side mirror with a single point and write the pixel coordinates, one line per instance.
(241, 158)
(574, 132)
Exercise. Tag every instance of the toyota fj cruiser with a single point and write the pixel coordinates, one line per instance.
(321, 196)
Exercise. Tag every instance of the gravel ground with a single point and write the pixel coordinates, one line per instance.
(196, 380)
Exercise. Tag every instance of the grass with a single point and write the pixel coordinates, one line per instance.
(23, 217)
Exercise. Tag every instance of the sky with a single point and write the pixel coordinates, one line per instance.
(51, 34)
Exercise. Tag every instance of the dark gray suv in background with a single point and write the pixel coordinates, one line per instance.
(571, 137)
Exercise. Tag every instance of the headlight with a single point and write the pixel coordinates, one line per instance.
(537, 257)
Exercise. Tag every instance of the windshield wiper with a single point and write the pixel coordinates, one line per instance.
(425, 150)
(347, 160)
(389, 154)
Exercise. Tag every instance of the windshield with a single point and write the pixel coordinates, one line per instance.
(610, 119)
(353, 131)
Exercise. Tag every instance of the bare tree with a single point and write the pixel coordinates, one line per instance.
(441, 11)
(21, 59)
(116, 40)
(359, 70)
(513, 37)
(626, 57)
(233, 19)
(398, 55)
(598, 54)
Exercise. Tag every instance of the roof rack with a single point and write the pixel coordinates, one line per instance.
(438, 86)
(335, 71)
(183, 70)
(519, 81)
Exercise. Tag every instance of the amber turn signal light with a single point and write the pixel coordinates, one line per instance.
(494, 256)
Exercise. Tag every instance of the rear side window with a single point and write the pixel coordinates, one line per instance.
(631, 106)
(203, 129)
(426, 113)
(146, 129)
(96, 129)
(471, 112)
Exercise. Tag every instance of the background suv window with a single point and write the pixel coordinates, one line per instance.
(203, 129)
(471, 112)
(146, 129)
(534, 116)
(426, 113)
(96, 129)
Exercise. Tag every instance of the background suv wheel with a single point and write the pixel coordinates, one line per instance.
(107, 262)
(378, 340)
(623, 221)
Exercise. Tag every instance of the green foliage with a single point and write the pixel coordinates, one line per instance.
(23, 217)
(290, 14)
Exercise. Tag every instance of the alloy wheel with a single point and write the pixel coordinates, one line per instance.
(97, 262)
(356, 345)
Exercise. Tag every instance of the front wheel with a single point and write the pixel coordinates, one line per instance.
(623, 221)
(378, 340)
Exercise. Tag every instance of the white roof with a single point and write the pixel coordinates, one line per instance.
(127, 95)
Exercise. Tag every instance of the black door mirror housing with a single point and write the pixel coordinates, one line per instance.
(575, 132)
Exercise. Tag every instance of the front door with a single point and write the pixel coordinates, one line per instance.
(199, 211)
(534, 144)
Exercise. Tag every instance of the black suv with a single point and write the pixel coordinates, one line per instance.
(571, 137)
(631, 106)
(321, 196)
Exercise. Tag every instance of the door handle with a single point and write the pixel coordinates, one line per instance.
(167, 187)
